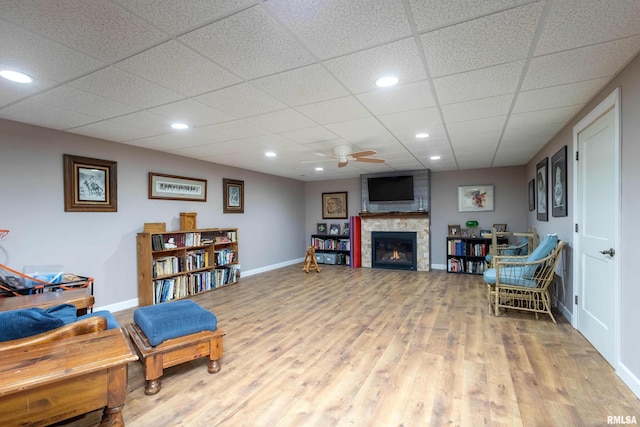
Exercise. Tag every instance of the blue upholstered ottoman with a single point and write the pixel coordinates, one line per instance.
(172, 333)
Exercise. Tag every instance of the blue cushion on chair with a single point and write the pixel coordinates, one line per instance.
(15, 324)
(173, 319)
(111, 321)
(543, 250)
(509, 276)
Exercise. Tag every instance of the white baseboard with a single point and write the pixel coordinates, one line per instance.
(271, 267)
(123, 305)
(438, 266)
(629, 379)
(566, 313)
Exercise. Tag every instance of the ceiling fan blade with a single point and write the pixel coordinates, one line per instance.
(363, 153)
(342, 163)
(369, 160)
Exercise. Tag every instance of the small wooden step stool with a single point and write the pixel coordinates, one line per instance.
(310, 259)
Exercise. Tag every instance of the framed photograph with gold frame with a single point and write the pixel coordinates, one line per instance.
(90, 185)
(233, 196)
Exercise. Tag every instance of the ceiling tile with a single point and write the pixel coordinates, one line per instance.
(192, 112)
(473, 127)
(587, 63)
(491, 40)
(477, 109)
(334, 110)
(124, 87)
(41, 58)
(407, 124)
(111, 131)
(359, 71)
(36, 113)
(395, 99)
(250, 44)
(473, 140)
(282, 121)
(361, 132)
(10, 91)
(243, 100)
(236, 129)
(310, 135)
(558, 96)
(576, 23)
(102, 30)
(484, 83)
(73, 99)
(326, 28)
(188, 73)
(177, 16)
(146, 123)
(302, 86)
(431, 14)
(551, 115)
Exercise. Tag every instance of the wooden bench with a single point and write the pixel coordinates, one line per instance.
(78, 297)
(51, 381)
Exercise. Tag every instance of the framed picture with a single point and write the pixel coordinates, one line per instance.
(334, 229)
(334, 205)
(559, 183)
(464, 232)
(172, 187)
(321, 228)
(541, 178)
(345, 229)
(532, 194)
(500, 227)
(232, 196)
(485, 233)
(90, 185)
(453, 231)
(475, 198)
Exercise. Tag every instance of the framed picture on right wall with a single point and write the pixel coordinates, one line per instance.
(559, 183)
(541, 181)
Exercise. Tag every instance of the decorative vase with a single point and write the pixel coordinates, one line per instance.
(420, 205)
(364, 206)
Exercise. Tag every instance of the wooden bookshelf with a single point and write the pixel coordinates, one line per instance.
(467, 254)
(333, 248)
(177, 264)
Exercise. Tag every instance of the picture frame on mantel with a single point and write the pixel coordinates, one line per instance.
(90, 185)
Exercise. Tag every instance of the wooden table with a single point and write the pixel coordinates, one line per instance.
(46, 383)
(81, 298)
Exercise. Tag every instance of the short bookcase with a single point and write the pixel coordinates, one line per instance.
(467, 254)
(193, 261)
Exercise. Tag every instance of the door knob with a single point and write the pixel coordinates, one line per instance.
(610, 252)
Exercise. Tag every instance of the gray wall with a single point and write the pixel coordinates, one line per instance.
(103, 245)
(629, 83)
(510, 203)
(313, 202)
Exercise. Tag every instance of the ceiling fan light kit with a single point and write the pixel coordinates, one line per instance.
(342, 153)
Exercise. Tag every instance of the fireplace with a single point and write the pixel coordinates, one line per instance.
(394, 250)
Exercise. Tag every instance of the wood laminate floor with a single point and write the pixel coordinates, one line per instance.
(371, 347)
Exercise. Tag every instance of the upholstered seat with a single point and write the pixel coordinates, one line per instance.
(524, 284)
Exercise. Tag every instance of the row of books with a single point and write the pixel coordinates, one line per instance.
(331, 244)
(225, 256)
(182, 286)
(167, 265)
(182, 240)
(460, 248)
(455, 265)
(197, 259)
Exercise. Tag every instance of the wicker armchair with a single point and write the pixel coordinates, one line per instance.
(526, 244)
(524, 284)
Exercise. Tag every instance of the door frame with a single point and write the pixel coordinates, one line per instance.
(611, 102)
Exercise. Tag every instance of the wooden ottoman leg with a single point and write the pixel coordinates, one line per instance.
(215, 354)
(152, 373)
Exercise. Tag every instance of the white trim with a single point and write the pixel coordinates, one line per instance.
(119, 306)
(438, 266)
(610, 102)
(271, 267)
(629, 378)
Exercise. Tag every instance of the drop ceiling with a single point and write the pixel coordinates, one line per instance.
(491, 81)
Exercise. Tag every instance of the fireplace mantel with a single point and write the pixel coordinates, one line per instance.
(414, 214)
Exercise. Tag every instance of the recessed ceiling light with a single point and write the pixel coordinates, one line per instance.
(270, 154)
(422, 135)
(179, 126)
(435, 157)
(16, 76)
(386, 81)
(319, 169)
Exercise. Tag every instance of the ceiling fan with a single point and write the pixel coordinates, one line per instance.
(343, 154)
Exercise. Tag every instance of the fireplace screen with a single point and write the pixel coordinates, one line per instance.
(395, 250)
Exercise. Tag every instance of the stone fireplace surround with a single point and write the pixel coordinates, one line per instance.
(396, 221)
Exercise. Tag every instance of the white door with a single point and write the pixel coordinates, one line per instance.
(597, 212)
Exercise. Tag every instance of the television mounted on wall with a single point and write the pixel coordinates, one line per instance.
(397, 188)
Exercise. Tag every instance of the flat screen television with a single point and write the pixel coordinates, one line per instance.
(390, 188)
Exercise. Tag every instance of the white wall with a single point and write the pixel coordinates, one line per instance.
(103, 245)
